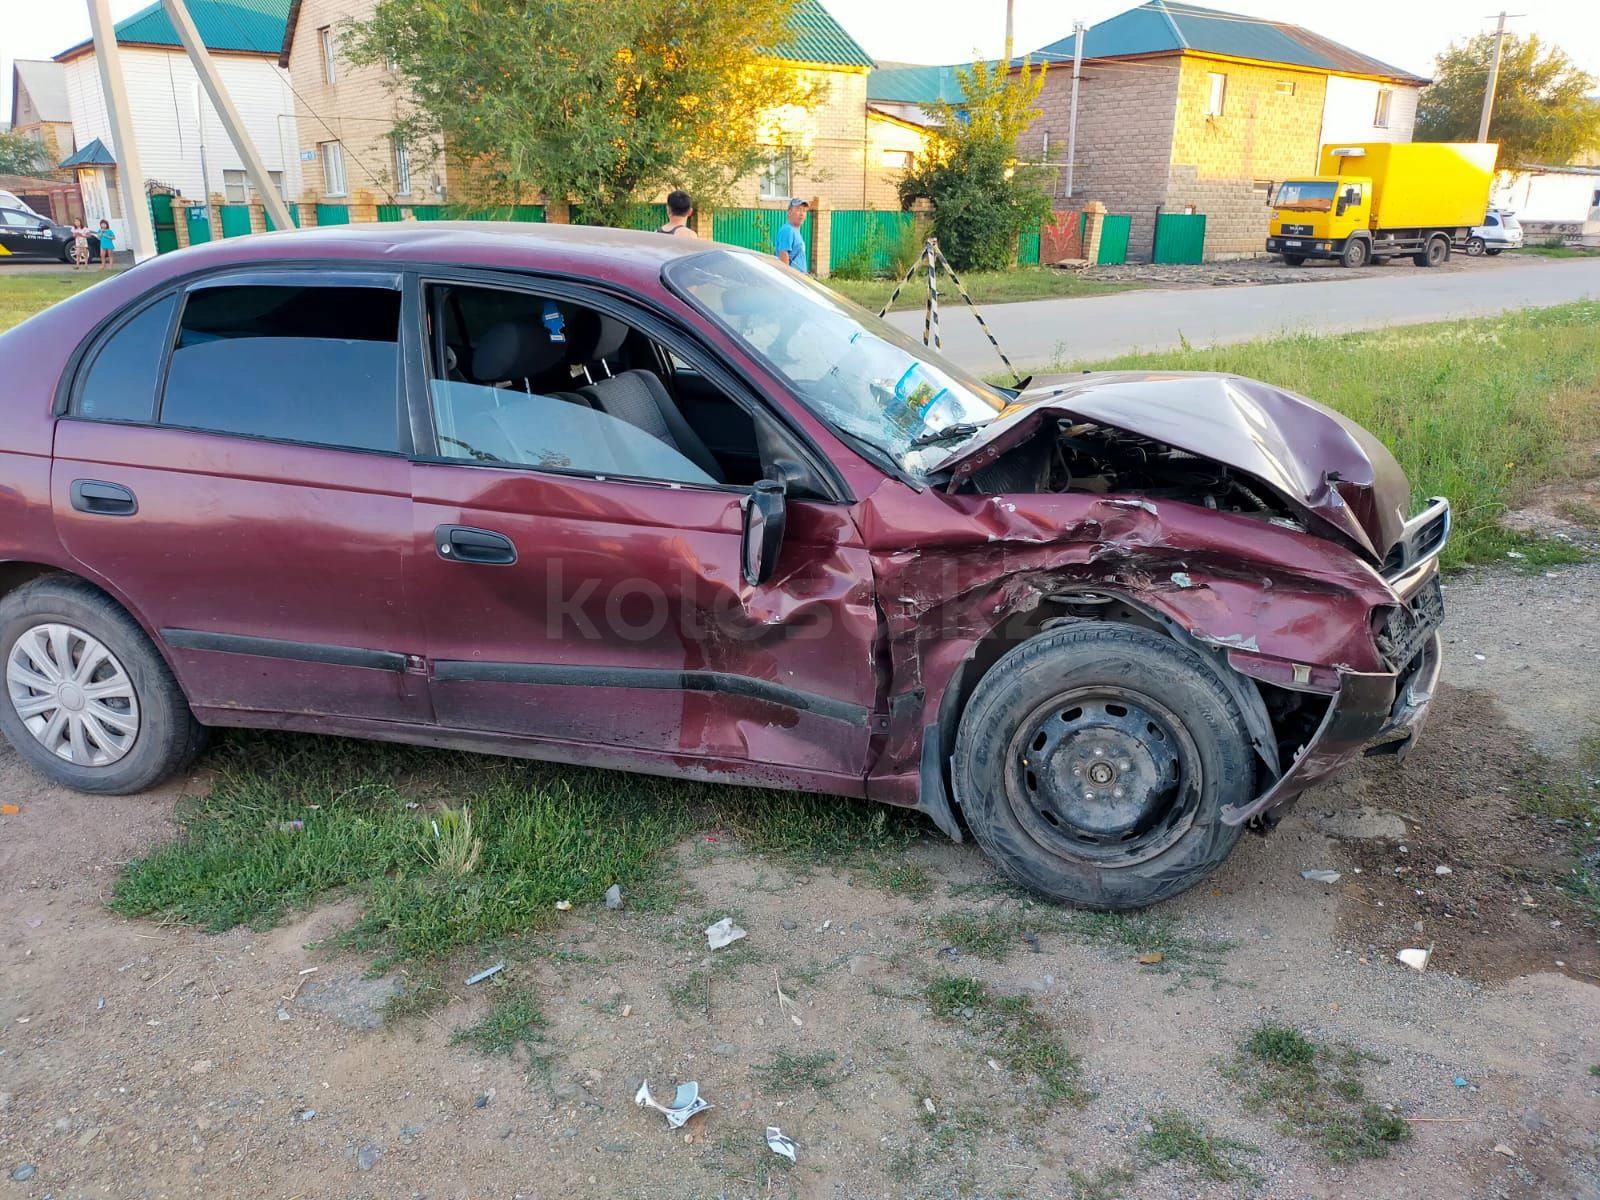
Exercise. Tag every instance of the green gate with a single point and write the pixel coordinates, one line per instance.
(333, 214)
(864, 241)
(1114, 229)
(752, 228)
(199, 226)
(1180, 238)
(235, 220)
(166, 229)
(1028, 247)
(294, 215)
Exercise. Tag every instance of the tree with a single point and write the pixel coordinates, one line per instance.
(1542, 110)
(982, 198)
(598, 104)
(21, 154)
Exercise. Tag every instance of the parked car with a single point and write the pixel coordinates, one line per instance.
(609, 498)
(25, 234)
(1499, 231)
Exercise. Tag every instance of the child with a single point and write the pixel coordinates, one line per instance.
(80, 246)
(108, 243)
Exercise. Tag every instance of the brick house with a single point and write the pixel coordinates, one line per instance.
(1183, 108)
(835, 151)
(39, 107)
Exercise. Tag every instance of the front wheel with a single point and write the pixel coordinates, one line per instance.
(1476, 247)
(1294, 260)
(1435, 254)
(1093, 763)
(87, 701)
(1355, 253)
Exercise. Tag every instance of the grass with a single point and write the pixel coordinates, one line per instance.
(1154, 941)
(1481, 411)
(1014, 1033)
(513, 1021)
(1107, 1183)
(1574, 803)
(536, 834)
(1560, 251)
(1174, 1137)
(25, 292)
(1317, 1092)
(985, 287)
(789, 1073)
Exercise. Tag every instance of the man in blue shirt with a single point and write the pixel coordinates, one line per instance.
(791, 243)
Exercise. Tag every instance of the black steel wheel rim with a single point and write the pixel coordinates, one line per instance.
(1105, 774)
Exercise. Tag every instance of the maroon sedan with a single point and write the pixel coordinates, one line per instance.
(629, 501)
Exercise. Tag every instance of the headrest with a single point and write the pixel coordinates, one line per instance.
(514, 350)
(612, 334)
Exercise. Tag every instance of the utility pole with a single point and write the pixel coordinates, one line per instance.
(1494, 76)
(130, 176)
(1011, 6)
(1078, 30)
(178, 13)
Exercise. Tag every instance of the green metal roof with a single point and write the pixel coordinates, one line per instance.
(818, 38)
(251, 26)
(1167, 27)
(94, 154)
(899, 83)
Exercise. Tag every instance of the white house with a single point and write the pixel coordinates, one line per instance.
(182, 144)
(1549, 193)
(1369, 110)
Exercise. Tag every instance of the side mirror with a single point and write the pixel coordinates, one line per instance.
(765, 514)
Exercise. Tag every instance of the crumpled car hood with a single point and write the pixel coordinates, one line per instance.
(1318, 460)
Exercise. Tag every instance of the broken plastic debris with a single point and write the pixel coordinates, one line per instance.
(927, 1103)
(563, 905)
(291, 826)
(484, 974)
(685, 1104)
(10, 810)
(1321, 876)
(1181, 579)
(1417, 960)
(723, 933)
(779, 1144)
(1441, 869)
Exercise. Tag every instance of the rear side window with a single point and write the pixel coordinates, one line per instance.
(300, 364)
(123, 374)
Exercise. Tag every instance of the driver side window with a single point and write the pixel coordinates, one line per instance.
(525, 380)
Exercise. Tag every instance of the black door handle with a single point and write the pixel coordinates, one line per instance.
(461, 543)
(103, 499)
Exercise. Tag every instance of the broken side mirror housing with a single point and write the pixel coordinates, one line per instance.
(765, 513)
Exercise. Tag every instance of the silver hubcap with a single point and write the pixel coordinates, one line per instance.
(73, 695)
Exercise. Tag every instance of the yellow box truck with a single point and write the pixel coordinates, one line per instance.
(1373, 200)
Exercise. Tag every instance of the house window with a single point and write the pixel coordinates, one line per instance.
(900, 160)
(233, 185)
(1285, 87)
(402, 168)
(332, 168)
(330, 73)
(1380, 116)
(775, 176)
(1218, 84)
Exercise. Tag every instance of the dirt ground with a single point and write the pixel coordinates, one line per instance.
(145, 1061)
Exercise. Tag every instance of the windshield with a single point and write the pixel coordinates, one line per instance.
(1308, 195)
(855, 371)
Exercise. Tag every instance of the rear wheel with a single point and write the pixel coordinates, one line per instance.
(1492, 253)
(1476, 247)
(87, 701)
(1356, 252)
(1093, 763)
(1435, 254)
(1294, 260)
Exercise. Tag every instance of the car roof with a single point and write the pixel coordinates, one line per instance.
(624, 256)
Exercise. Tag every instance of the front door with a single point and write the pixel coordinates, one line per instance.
(578, 563)
(255, 511)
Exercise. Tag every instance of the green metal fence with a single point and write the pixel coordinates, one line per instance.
(1028, 247)
(235, 220)
(640, 216)
(752, 228)
(199, 227)
(533, 213)
(1180, 238)
(865, 241)
(1114, 229)
(333, 214)
(294, 216)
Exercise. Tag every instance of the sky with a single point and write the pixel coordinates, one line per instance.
(1403, 33)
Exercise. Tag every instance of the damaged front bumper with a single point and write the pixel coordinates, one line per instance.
(1368, 713)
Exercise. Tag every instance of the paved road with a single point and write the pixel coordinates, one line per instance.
(1043, 333)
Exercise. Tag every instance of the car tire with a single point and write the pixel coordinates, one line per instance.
(1493, 252)
(1356, 252)
(139, 734)
(1089, 705)
(1294, 260)
(1476, 247)
(1435, 254)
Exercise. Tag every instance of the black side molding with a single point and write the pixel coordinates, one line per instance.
(259, 647)
(652, 679)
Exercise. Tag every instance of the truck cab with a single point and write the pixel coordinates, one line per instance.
(1315, 216)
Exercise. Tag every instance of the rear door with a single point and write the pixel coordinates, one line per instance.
(246, 491)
